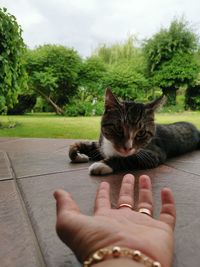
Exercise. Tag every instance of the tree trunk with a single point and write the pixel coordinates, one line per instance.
(57, 109)
(171, 96)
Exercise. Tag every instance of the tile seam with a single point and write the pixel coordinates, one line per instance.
(27, 218)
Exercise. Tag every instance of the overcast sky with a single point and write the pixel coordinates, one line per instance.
(83, 24)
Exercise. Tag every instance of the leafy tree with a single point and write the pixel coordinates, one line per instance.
(25, 103)
(12, 72)
(192, 97)
(126, 82)
(167, 52)
(179, 70)
(91, 77)
(126, 67)
(121, 52)
(53, 73)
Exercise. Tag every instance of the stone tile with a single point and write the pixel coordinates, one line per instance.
(189, 162)
(45, 166)
(38, 197)
(17, 243)
(186, 189)
(7, 139)
(5, 168)
(31, 157)
(37, 192)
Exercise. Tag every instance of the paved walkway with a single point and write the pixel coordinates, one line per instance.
(30, 171)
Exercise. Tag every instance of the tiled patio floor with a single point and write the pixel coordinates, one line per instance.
(31, 170)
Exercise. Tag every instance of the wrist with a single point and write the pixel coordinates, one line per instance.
(113, 254)
(118, 263)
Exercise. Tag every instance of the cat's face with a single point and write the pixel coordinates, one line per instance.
(127, 126)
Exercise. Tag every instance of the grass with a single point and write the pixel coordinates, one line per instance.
(53, 126)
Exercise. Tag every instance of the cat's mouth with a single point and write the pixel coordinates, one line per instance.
(126, 152)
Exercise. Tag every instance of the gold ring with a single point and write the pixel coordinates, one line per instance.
(125, 205)
(145, 211)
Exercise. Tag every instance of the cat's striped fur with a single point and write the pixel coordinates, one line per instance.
(130, 139)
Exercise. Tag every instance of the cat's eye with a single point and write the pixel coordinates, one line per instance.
(141, 133)
(119, 129)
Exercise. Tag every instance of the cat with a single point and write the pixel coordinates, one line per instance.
(131, 140)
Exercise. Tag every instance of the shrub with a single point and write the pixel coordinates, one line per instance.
(25, 104)
(82, 108)
(192, 98)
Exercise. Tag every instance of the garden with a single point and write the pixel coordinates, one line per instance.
(51, 91)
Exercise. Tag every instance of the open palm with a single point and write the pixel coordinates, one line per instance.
(123, 227)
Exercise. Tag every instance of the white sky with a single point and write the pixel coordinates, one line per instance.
(83, 24)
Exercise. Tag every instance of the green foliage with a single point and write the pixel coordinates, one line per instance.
(84, 104)
(179, 38)
(125, 69)
(179, 70)
(91, 77)
(12, 72)
(42, 106)
(170, 58)
(119, 51)
(25, 104)
(192, 97)
(125, 81)
(179, 107)
(84, 109)
(53, 70)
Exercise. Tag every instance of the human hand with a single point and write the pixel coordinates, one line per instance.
(118, 227)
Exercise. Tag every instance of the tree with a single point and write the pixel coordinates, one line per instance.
(167, 54)
(118, 53)
(179, 70)
(25, 104)
(126, 65)
(192, 97)
(91, 76)
(53, 73)
(12, 72)
(126, 82)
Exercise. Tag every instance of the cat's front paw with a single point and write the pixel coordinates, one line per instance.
(76, 156)
(80, 158)
(100, 168)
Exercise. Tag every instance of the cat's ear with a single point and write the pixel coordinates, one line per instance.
(158, 103)
(110, 100)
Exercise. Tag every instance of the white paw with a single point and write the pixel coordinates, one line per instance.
(81, 158)
(100, 168)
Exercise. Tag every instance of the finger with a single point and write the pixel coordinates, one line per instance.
(145, 193)
(126, 191)
(64, 202)
(103, 197)
(168, 210)
(69, 219)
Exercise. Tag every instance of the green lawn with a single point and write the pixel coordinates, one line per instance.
(52, 126)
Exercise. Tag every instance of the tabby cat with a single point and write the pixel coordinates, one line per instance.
(131, 140)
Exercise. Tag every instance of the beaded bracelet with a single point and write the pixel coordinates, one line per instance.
(117, 252)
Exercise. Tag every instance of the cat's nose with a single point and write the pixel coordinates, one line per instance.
(127, 149)
(128, 145)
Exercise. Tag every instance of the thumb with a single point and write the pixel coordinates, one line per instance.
(65, 203)
(67, 212)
